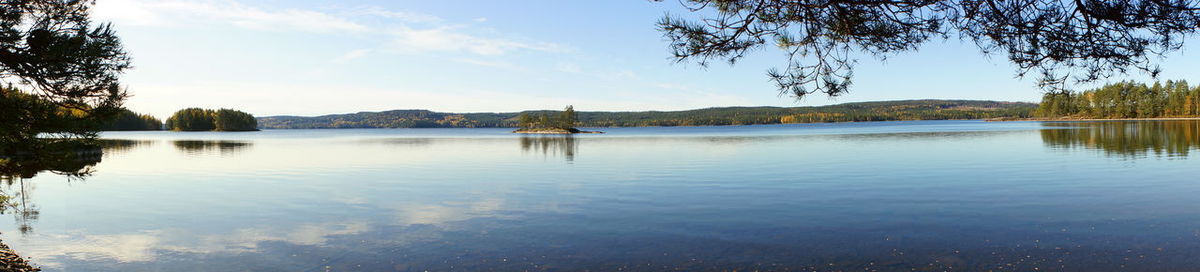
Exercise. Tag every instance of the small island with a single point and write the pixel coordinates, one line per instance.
(197, 119)
(545, 124)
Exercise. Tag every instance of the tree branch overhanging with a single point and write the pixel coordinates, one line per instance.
(1065, 41)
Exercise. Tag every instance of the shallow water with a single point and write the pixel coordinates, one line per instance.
(925, 195)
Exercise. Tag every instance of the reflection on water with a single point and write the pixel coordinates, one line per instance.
(15, 200)
(118, 146)
(1125, 138)
(199, 147)
(923, 196)
(73, 161)
(564, 145)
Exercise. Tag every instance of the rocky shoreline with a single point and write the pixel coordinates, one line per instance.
(11, 262)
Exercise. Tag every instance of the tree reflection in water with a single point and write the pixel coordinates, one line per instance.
(1126, 138)
(198, 147)
(560, 145)
(118, 146)
(74, 162)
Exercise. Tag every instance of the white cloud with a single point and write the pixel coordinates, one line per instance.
(175, 12)
(481, 19)
(453, 40)
(673, 86)
(406, 16)
(485, 63)
(569, 68)
(146, 246)
(355, 54)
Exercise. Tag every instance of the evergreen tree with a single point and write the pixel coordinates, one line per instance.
(192, 119)
(567, 119)
(232, 120)
(197, 119)
(524, 121)
(127, 120)
(1125, 100)
(1052, 39)
(59, 57)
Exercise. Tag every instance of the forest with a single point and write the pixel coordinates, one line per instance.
(1124, 100)
(197, 119)
(127, 120)
(849, 112)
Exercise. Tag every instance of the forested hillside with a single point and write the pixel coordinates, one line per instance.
(850, 112)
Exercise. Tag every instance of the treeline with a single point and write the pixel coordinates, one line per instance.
(850, 112)
(564, 120)
(24, 116)
(127, 120)
(1125, 100)
(197, 119)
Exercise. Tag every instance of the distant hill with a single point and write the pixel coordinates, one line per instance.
(849, 112)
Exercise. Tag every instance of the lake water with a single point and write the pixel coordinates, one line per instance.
(888, 196)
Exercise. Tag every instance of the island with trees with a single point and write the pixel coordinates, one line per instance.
(197, 119)
(544, 123)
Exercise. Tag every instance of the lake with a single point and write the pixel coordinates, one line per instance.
(887, 196)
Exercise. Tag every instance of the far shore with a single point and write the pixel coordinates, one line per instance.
(1068, 119)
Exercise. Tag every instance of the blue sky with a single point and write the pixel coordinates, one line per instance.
(285, 57)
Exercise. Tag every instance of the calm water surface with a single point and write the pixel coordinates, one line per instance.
(888, 196)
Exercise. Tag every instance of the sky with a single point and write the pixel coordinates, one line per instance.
(306, 58)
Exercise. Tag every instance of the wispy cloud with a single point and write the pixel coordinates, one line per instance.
(354, 54)
(454, 40)
(174, 12)
(569, 68)
(484, 63)
(405, 32)
(673, 86)
(411, 17)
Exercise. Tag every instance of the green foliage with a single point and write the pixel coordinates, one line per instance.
(567, 118)
(192, 119)
(24, 116)
(197, 119)
(232, 120)
(524, 121)
(1125, 100)
(127, 120)
(57, 54)
(851, 112)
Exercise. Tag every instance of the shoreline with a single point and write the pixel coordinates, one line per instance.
(11, 261)
(555, 131)
(1091, 119)
(603, 127)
